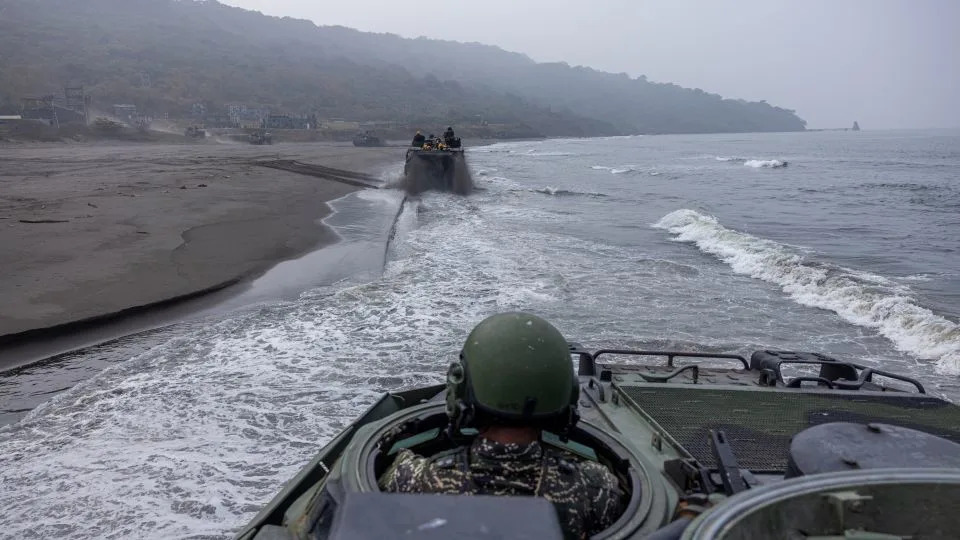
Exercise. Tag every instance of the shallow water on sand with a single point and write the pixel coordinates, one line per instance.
(702, 242)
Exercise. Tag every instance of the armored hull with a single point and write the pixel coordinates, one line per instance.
(366, 139)
(820, 453)
(436, 169)
(261, 137)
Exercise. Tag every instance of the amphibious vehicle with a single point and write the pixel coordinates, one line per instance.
(783, 445)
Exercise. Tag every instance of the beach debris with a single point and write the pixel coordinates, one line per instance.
(44, 221)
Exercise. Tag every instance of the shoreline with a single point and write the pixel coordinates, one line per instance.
(53, 360)
(180, 250)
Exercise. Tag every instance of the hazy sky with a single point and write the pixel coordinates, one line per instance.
(885, 63)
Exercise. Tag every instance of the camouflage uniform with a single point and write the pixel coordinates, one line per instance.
(586, 495)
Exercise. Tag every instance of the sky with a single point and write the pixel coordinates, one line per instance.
(885, 63)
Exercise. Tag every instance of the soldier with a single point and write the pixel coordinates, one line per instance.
(418, 139)
(514, 379)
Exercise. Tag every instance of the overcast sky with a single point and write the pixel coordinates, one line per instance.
(885, 63)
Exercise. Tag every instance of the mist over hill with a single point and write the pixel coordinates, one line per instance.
(167, 55)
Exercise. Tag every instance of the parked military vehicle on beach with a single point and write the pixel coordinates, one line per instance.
(436, 167)
(783, 445)
(367, 139)
(261, 136)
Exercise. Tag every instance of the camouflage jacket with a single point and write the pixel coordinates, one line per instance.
(586, 494)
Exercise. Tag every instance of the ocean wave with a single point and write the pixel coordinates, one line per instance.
(918, 277)
(550, 190)
(615, 170)
(532, 153)
(755, 163)
(904, 186)
(859, 297)
(508, 183)
(766, 163)
(535, 153)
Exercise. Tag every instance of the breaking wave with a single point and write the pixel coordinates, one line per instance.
(550, 190)
(765, 163)
(755, 163)
(534, 153)
(615, 170)
(861, 298)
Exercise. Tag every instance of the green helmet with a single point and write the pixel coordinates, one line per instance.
(515, 369)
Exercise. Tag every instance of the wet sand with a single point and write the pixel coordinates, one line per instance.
(87, 231)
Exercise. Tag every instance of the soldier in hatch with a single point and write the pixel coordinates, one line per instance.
(513, 380)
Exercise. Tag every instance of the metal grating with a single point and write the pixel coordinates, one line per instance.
(760, 424)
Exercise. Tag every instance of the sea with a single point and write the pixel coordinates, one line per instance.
(844, 243)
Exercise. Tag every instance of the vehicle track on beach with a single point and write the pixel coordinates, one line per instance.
(328, 173)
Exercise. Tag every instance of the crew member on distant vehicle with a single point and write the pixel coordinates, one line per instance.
(513, 380)
(418, 139)
(450, 139)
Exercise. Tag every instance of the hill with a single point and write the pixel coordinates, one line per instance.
(167, 55)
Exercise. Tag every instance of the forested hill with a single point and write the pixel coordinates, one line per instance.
(166, 55)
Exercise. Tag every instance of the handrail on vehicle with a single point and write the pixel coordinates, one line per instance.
(588, 360)
(842, 375)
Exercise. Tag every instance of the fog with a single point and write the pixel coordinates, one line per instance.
(887, 64)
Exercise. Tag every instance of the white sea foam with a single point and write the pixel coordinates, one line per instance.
(859, 297)
(765, 163)
(918, 277)
(192, 437)
(615, 170)
(509, 183)
(755, 163)
(550, 190)
(547, 154)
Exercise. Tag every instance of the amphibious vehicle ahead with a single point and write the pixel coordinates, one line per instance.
(437, 166)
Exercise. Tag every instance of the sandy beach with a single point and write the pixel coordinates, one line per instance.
(88, 231)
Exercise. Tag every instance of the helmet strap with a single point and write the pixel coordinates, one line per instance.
(572, 420)
(462, 416)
